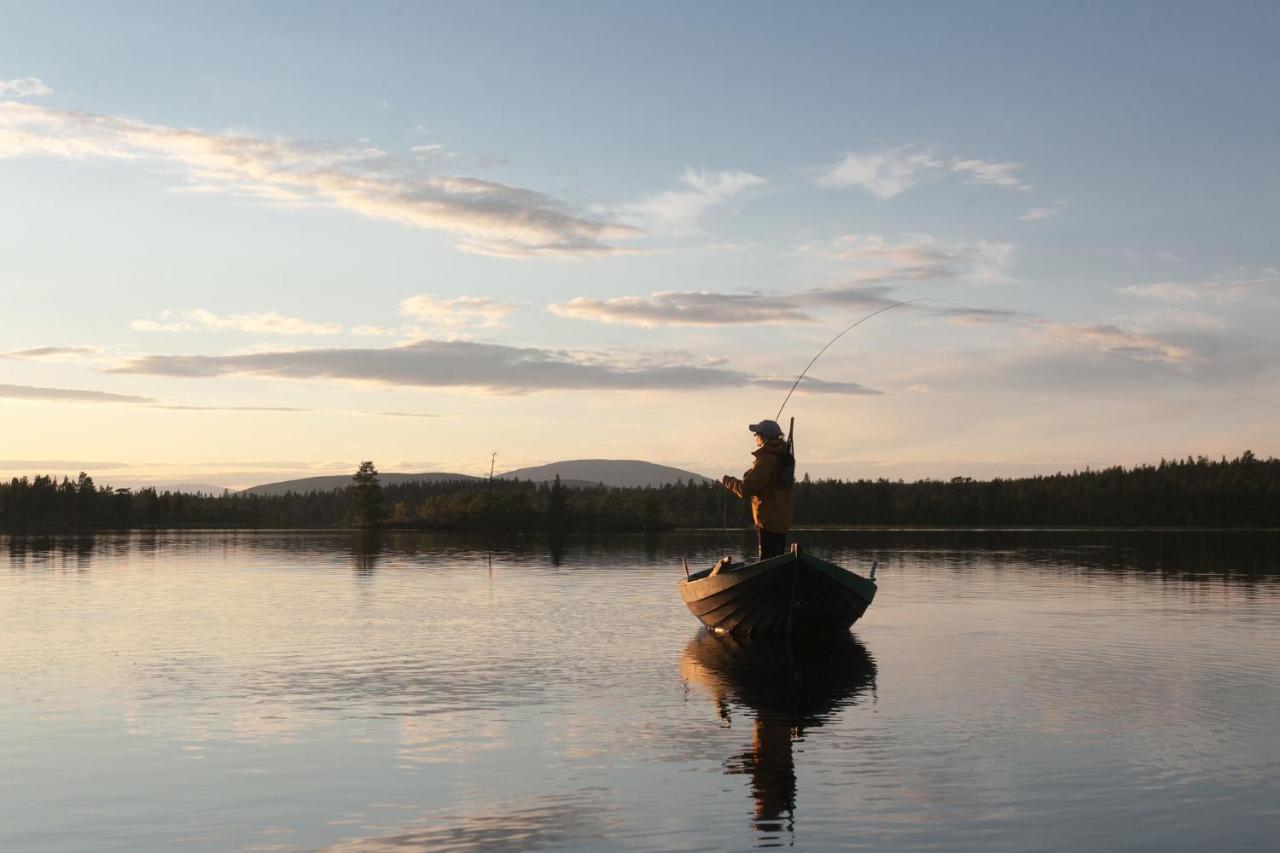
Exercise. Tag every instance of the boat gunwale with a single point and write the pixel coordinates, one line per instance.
(693, 588)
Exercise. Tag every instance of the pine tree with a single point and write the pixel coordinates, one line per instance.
(366, 497)
(557, 505)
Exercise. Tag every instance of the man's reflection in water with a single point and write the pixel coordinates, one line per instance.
(792, 685)
(365, 548)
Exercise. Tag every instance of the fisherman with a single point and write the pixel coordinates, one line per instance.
(769, 484)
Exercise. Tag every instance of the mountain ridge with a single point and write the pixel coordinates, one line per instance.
(328, 483)
(617, 473)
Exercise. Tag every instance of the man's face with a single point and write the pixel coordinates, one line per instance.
(759, 439)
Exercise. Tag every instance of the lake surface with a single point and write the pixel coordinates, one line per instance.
(303, 691)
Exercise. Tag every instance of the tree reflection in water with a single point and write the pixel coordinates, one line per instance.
(792, 685)
(366, 546)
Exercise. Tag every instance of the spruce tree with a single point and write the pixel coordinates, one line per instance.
(366, 497)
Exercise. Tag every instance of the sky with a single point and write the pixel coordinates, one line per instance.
(248, 242)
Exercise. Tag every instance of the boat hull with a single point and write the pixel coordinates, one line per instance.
(795, 593)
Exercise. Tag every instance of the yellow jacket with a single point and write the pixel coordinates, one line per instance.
(770, 501)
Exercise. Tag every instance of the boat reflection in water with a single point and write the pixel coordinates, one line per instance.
(792, 685)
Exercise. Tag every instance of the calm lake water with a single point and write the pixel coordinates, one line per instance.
(302, 691)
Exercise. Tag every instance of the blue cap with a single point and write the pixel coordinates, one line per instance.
(766, 429)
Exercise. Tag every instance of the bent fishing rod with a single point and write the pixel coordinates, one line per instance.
(846, 331)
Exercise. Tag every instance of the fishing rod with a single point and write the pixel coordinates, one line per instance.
(846, 331)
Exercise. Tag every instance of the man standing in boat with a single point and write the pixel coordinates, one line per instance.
(769, 484)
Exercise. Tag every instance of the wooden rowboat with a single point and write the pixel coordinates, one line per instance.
(796, 593)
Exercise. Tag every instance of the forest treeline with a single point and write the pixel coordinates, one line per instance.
(1193, 492)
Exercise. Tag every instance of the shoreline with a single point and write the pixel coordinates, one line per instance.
(927, 529)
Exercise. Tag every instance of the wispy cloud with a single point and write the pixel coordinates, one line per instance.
(269, 323)
(38, 393)
(917, 257)
(1000, 174)
(1124, 342)
(78, 395)
(1164, 291)
(1176, 318)
(485, 217)
(373, 331)
(1225, 290)
(464, 364)
(679, 210)
(461, 311)
(59, 464)
(53, 353)
(875, 261)
(24, 87)
(893, 171)
(1039, 213)
(68, 395)
(884, 174)
(688, 308)
(701, 308)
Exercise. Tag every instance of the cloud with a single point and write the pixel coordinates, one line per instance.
(24, 87)
(268, 322)
(68, 395)
(373, 331)
(1044, 212)
(1178, 318)
(701, 308)
(76, 395)
(680, 210)
(687, 308)
(58, 464)
(1039, 213)
(485, 217)
(464, 364)
(1123, 342)
(461, 311)
(1164, 291)
(852, 295)
(1217, 291)
(181, 407)
(919, 257)
(876, 262)
(886, 174)
(53, 353)
(818, 386)
(989, 172)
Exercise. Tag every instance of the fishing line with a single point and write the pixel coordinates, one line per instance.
(1005, 319)
(1104, 351)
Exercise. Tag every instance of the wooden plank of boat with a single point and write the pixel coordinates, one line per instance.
(791, 593)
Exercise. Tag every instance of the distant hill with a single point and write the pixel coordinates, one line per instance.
(341, 481)
(185, 488)
(611, 472)
(573, 472)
